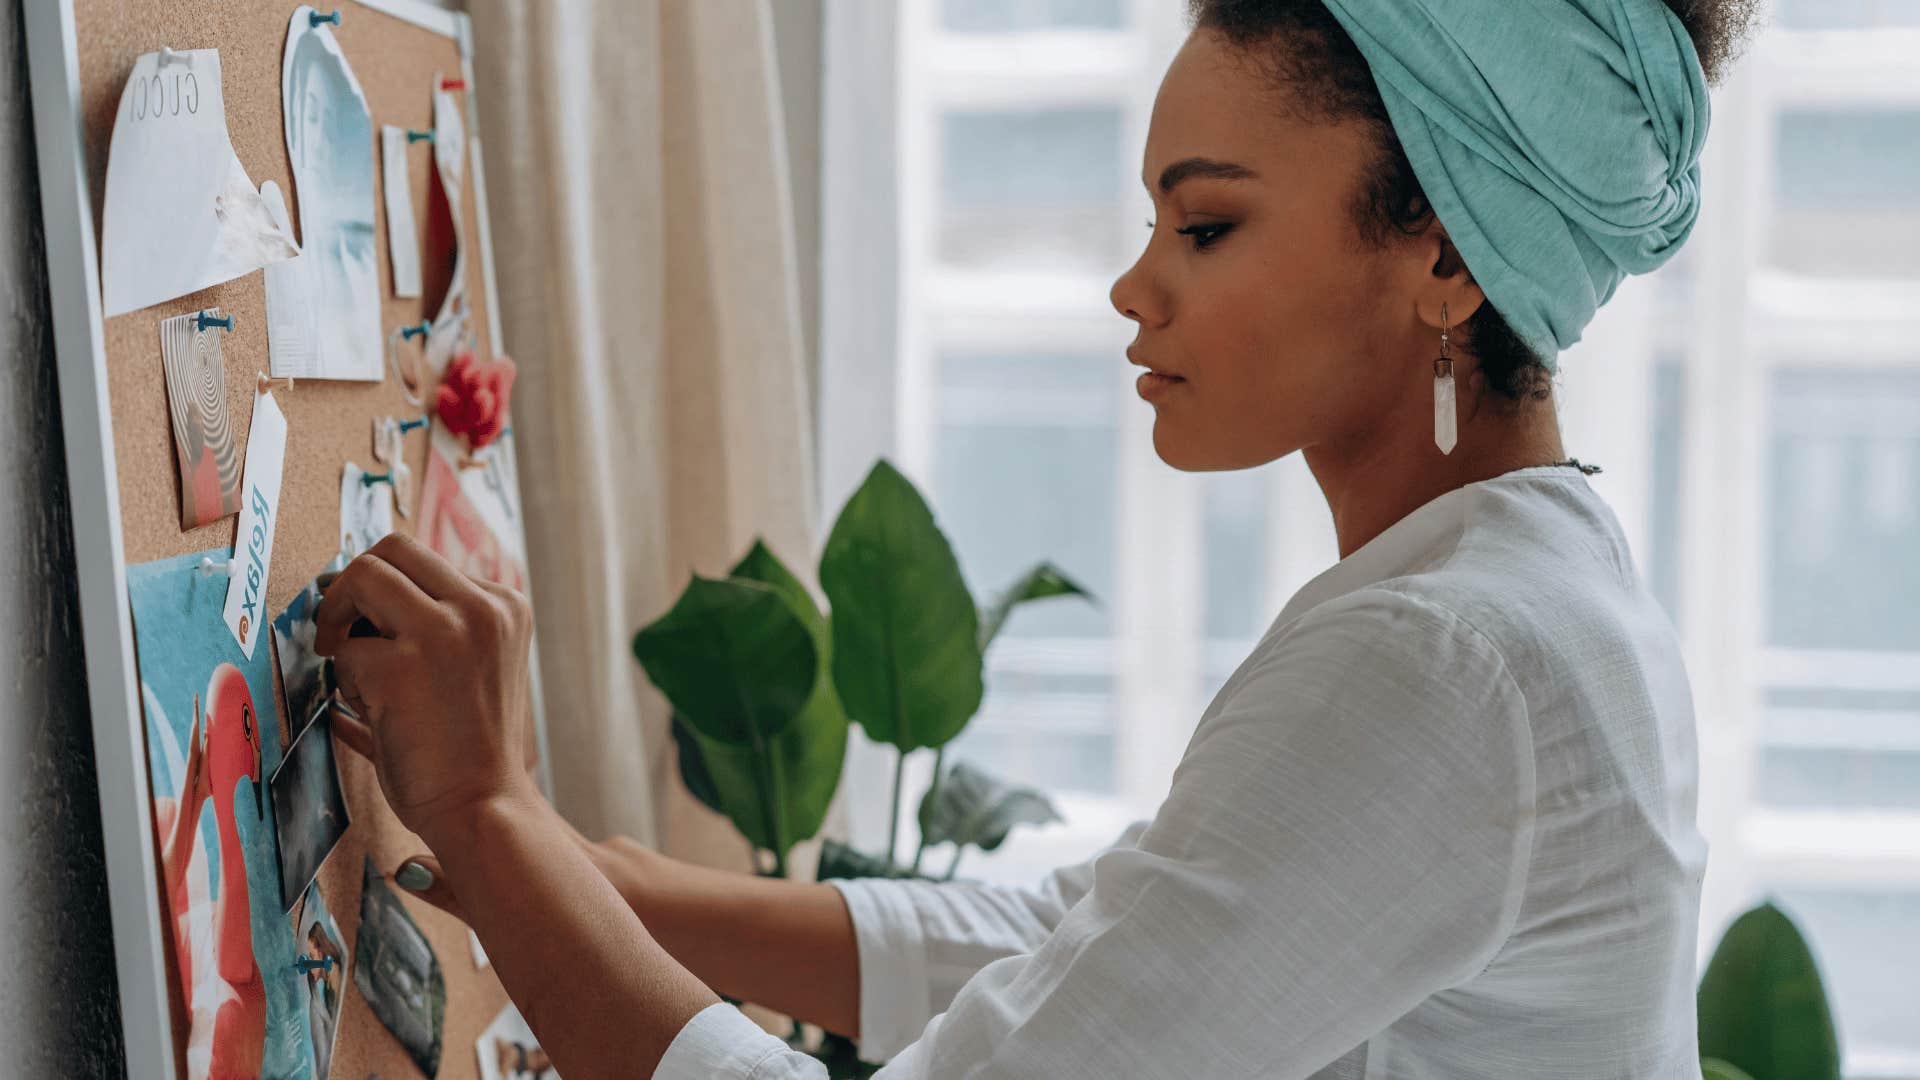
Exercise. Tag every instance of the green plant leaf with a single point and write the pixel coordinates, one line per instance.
(1762, 1006)
(1043, 581)
(813, 750)
(732, 657)
(693, 765)
(906, 651)
(1715, 1069)
(837, 860)
(807, 757)
(762, 565)
(969, 806)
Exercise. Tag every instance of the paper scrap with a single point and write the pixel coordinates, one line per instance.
(202, 429)
(330, 143)
(293, 325)
(180, 213)
(403, 238)
(447, 231)
(366, 510)
(253, 547)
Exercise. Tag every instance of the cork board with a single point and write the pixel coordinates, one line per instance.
(329, 422)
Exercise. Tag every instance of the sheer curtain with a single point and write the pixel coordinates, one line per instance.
(642, 222)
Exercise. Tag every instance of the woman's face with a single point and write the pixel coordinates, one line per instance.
(1264, 323)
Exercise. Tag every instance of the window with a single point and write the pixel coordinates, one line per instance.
(1755, 406)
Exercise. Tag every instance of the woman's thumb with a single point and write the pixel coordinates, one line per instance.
(421, 876)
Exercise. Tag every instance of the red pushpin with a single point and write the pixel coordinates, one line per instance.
(453, 84)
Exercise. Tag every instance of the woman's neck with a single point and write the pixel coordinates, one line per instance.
(1381, 476)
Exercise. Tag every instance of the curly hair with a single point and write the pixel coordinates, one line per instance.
(1301, 50)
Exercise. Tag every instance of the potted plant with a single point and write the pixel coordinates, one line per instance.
(1762, 1006)
(764, 686)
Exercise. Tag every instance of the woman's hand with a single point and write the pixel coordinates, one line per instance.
(434, 662)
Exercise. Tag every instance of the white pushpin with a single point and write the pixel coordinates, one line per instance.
(209, 566)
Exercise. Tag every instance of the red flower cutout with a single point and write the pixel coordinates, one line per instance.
(472, 401)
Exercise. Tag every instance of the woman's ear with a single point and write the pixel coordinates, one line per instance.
(1449, 282)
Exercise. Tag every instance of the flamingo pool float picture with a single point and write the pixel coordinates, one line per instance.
(212, 929)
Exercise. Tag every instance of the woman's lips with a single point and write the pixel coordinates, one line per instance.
(1153, 385)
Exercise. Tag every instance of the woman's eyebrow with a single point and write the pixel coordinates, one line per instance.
(1188, 168)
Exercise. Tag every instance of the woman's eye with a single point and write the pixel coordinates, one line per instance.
(1204, 236)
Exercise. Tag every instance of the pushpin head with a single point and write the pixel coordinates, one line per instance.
(314, 18)
(370, 479)
(203, 320)
(411, 332)
(419, 136)
(453, 84)
(409, 425)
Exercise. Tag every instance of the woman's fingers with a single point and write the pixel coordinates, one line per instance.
(421, 876)
(434, 575)
(370, 587)
(353, 733)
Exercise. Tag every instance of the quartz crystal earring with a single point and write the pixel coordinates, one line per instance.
(1444, 432)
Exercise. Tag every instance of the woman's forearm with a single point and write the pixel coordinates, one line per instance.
(787, 945)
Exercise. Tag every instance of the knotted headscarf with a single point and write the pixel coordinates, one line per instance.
(1558, 141)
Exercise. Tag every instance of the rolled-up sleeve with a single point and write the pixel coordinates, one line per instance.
(920, 941)
(1348, 833)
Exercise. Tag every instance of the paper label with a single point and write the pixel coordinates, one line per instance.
(403, 238)
(259, 506)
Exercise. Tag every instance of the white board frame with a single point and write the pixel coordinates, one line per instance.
(99, 550)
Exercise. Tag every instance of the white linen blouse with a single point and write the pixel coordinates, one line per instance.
(1440, 823)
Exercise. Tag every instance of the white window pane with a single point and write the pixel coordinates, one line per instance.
(1847, 14)
(1844, 184)
(1867, 943)
(1843, 496)
(1025, 472)
(1032, 189)
(1661, 562)
(1003, 16)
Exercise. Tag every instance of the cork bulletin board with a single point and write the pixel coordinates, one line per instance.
(121, 464)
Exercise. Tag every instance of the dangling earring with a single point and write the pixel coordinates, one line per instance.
(1444, 432)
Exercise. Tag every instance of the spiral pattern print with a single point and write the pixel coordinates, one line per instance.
(202, 426)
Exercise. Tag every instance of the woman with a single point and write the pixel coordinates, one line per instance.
(1439, 823)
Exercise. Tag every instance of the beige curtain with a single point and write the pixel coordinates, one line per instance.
(642, 225)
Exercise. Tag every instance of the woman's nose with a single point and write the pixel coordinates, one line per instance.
(1134, 296)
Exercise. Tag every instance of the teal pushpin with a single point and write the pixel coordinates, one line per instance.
(419, 136)
(372, 478)
(306, 964)
(411, 332)
(409, 425)
(224, 322)
(314, 18)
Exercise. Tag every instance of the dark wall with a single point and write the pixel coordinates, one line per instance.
(59, 1011)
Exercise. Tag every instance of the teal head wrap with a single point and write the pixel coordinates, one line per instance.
(1558, 141)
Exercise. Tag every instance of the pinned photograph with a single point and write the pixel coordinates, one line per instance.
(308, 805)
(323, 961)
(330, 143)
(202, 425)
(398, 973)
(180, 213)
(212, 739)
(306, 676)
(508, 1050)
